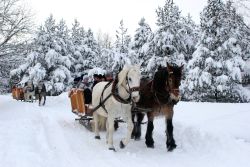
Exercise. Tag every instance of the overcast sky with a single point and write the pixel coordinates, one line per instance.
(105, 15)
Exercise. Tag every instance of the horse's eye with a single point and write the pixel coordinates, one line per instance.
(129, 79)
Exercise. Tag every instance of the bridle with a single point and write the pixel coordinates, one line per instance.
(171, 90)
(130, 90)
(163, 94)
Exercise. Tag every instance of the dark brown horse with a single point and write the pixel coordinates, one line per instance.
(158, 96)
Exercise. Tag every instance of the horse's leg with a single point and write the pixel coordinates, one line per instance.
(150, 127)
(134, 129)
(39, 98)
(110, 132)
(96, 120)
(130, 127)
(31, 98)
(169, 128)
(44, 99)
(137, 127)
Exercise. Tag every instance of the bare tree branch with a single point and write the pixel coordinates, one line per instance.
(15, 22)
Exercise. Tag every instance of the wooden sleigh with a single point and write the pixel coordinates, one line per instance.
(17, 93)
(84, 111)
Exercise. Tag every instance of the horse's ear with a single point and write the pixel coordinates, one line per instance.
(120, 69)
(159, 67)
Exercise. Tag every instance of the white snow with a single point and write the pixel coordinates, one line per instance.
(207, 134)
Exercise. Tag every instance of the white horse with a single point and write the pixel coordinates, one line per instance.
(116, 101)
(29, 92)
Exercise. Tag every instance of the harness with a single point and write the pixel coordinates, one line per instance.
(115, 94)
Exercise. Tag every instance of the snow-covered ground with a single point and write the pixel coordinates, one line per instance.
(207, 135)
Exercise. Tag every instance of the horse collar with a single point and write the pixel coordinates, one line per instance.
(116, 95)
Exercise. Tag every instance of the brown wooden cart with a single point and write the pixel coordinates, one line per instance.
(85, 111)
(17, 93)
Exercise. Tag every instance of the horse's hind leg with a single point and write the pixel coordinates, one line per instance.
(96, 120)
(169, 129)
(39, 99)
(150, 127)
(44, 100)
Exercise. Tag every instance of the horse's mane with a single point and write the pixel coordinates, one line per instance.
(160, 78)
(177, 71)
(159, 86)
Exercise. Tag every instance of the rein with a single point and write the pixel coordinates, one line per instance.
(114, 92)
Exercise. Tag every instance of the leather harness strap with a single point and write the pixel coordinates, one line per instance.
(115, 94)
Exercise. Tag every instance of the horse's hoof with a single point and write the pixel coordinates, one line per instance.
(97, 137)
(137, 138)
(122, 145)
(171, 147)
(113, 149)
(151, 146)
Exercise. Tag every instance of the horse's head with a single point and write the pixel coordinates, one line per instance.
(174, 81)
(130, 78)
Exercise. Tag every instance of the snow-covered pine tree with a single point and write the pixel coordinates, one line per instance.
(92, 50)
(122, 39)
(80, 51)
(169, 43)
(190, 34)
(217, 63)
(121, 48)
(46, 61)
(174, 38)
(105, 61)
(140, 45)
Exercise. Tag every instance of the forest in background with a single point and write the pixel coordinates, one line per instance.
(215, 53)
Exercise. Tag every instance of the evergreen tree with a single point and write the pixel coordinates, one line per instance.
(190, 33)
(217, 63)
(92, 52)
(175, 38)
(168, 40)
(121, 48)
(78, 50)
(122, 39)
(48, 61)
(141, 37)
